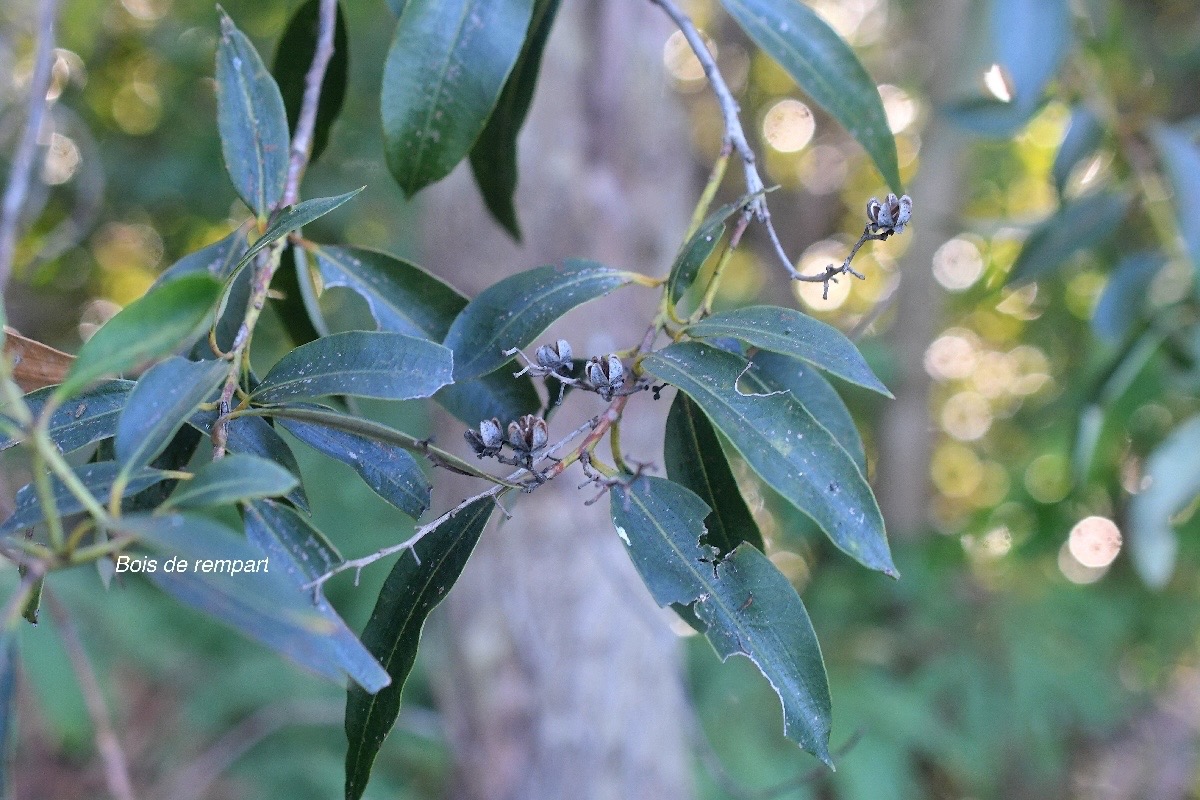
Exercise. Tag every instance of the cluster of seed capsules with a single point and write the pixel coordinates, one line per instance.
(890, 216)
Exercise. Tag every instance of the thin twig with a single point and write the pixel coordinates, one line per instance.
(22, 163)
(306, 122)
(116, 767)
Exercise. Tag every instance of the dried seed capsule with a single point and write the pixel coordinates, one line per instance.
(528, 434)
(606, 375)
(555, 357)
(488, 440)
(891, 215)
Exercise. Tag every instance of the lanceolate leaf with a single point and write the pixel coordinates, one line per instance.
(826, 69)
(494, 156)
(497, 394)
(157, 323)
(234, 478)
(444, 74)
(1124, 297)
(292, 61)
(1181, 157)
(255, 436)
(161, 402)
(1030, 37)
(787, 331)
(217, 259)
(293, 218)
(816, 394)
(698, 248)
(1083, 136)
(252, 121)
(783, 443)
(402, 297)
(747, 606)
(1080, 224)
(416, 584)
(694, 459)
(97, 477)
(389, 470)
(513, 312)
(390, 366)
(234, 582)
(1172, 481)
(303, 554)
(86, 418)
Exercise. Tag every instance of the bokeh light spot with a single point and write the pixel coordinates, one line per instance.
(957, 264)
(1095, 541)
(788, 126)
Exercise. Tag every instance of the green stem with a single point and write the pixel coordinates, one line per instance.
(710, 292)
(45, 493)
(614, 443)
(706, 197)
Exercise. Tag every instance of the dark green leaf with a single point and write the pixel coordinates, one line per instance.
(698, 248)
(1083, 223)
(1124, 296)
(817, 395)
(232, 310)
(694, 459)
(443, 76)
(86, 418)
(402, 297)
(1083, 136)
(416, 584)
(303, 554)
(494, 156)
(259, 600)
(826, 69)
(255, 436)
(217, 259)
(252, 121)
(389, 470)
(160, 403)
(1171, 481)
(1181, 157)
(783, 443)
(287, 297)
(231, 479)
(791, 333)
(8, 704)
(513, 312)
(293, 218)
(746, 604)
(292, 61)
(98, 478)
(390, 366)
(157, 323)
(497, 394)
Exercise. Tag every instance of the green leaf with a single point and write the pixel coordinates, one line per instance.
(287, 297)
(259, 600)
(1083, 136)
(1181, 157)
(415, 585)
(747, 606)
(98, 478)
(165, 318)
(303, 554)
(497, 394)
(1030, 38)
(402, 297)
(817, 395)
(444, 74)
(86, 418)
(694, 459)
(791, 333)
(397, 6)
(1172, 481)
(294, 57)
(9, 662)
(783, 443)
(698, 248)
(217, 259)
(515, 311)
(253, 435)
(1083, 223)
(494, 156)
(827, 70)
(1124, 297)
(293, 218)
(160, 403)
(389, 470)
(252, 121)
(232, 479)
(389, 366)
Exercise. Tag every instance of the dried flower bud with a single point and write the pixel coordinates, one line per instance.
(891, 215)
(488, 440)
(528, 434)
(606, 375)
(555, 357)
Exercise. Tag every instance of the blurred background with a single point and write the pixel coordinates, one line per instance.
(1014, 659)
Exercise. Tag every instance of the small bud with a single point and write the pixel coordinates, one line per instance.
(488, 440)
(528, 434)
(555, 357)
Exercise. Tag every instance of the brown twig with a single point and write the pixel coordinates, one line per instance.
(313, 79)
(22, 163)
(116, 767)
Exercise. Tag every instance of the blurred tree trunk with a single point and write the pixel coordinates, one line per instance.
(907, 432)
(556, 673)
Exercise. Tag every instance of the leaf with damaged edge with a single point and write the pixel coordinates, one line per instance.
(416, 584)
